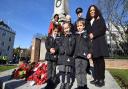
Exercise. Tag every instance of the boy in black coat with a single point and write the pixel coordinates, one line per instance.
(65, 58)
(82, 54)
(51, 56)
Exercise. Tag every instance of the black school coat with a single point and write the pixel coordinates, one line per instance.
(50, 42)
(83, 45)
(66, 50)
(99, 43)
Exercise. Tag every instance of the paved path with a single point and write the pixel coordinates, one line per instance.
(110, 83)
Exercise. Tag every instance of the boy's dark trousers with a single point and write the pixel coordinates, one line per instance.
(99, 68)
(80, 66)
(51, 70)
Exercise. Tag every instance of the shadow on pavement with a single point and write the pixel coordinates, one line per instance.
(14, 84)
(4, 79)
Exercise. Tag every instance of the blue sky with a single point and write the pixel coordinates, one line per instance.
(28, 17)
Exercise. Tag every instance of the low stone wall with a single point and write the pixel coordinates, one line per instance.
(115, 63)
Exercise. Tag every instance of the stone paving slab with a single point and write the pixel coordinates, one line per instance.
(110, 83)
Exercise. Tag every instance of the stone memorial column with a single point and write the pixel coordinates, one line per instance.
(61, 8)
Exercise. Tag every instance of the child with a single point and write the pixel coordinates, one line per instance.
(51, 56)
(68, 19)
(54, 22)
(82, 54)
(65, 58)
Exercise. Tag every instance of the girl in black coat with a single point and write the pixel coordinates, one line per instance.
(51, 56)
(97, 29)
(65, 58)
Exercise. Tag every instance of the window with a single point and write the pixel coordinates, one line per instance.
(2, 43)
(4, 33)
(10, 39)
(8, 48)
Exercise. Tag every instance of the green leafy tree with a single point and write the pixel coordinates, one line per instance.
(16, 51)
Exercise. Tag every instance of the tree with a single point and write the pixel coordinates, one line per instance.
(16, 51)
(115, 12)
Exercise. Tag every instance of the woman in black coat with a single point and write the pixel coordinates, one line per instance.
(97, 30)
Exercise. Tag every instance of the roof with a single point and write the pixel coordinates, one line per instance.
(5, 26)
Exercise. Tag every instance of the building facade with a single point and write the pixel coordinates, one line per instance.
(7, 37)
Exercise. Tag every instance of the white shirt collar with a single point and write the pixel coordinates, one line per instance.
(92, 20)
(80, 32)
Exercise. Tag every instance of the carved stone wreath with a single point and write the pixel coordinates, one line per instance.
(58, 3)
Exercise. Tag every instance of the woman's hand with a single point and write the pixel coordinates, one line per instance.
(89, 56)
(98, 18)
(52, 50)
(91, 36)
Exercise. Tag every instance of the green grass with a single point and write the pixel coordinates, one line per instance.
(121, 76)
(6, 67)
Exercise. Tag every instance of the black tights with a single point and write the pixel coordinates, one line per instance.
(66, 76)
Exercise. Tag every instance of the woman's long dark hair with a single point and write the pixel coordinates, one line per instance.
(97, 13)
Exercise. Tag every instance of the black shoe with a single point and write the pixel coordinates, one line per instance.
(62, 86)
(50, 84)
(77, 88)
(80, 87)
(88, 72)
(85, 87)
(67, 86)
(93, 81)
(100, 83)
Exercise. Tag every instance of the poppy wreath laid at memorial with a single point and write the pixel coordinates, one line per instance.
(39, 75)
(21, 71)
(36, 74)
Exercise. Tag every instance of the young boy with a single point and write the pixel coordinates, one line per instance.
(79, 13)
(82, 54)
(65, 58)
(51, 56)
